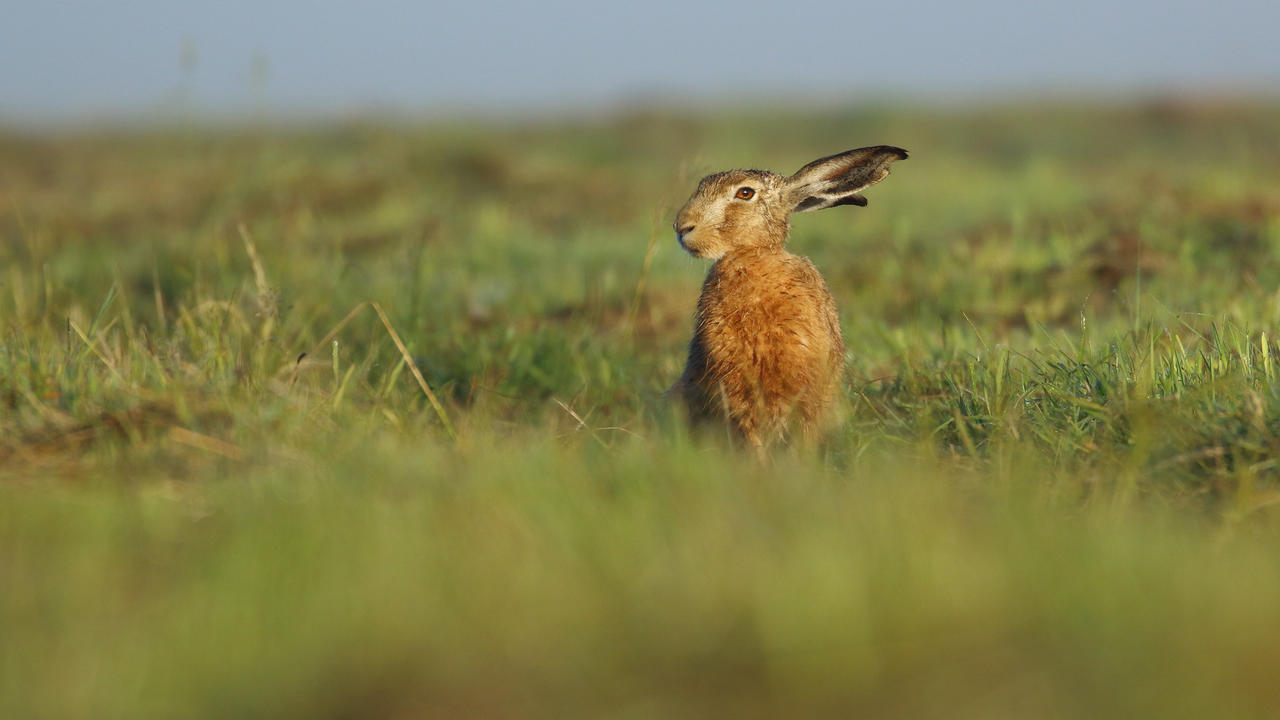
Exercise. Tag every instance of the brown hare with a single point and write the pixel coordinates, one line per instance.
(767, 347)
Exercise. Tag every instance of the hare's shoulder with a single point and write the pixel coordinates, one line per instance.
(767, 274)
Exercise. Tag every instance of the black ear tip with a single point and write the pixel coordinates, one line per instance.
(902, 154)
(850, 199)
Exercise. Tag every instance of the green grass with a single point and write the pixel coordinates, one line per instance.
(1053, 493)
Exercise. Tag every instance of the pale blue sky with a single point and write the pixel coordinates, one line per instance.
(78, 60)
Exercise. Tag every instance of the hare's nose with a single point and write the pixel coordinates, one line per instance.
(684, 230)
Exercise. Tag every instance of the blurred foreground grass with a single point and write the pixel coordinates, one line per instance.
(1053, 495)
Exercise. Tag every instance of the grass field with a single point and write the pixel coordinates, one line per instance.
(225, 491)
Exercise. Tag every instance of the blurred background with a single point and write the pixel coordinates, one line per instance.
(334, 340)
(78, 61)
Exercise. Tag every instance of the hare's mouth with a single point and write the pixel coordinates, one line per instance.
(682, 234)
(691, 249)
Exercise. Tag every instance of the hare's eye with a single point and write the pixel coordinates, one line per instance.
(745, 193)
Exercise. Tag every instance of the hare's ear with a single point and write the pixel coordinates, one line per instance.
(836, 180)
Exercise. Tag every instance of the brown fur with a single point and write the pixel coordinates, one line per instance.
(767, 347)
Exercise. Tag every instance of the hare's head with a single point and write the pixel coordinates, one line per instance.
(752, 208)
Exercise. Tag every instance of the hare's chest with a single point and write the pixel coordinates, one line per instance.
(773, 291)
(774, 308)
